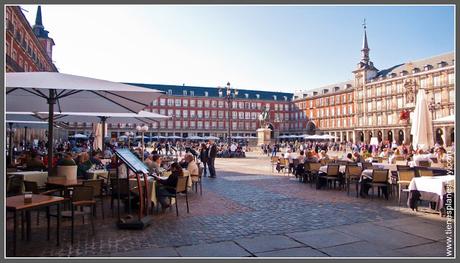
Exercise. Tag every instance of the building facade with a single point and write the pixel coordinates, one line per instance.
(377, 98)
(203, 111)
(26, 48)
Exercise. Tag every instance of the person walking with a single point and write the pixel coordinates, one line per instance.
(212, 153)
(204, 157)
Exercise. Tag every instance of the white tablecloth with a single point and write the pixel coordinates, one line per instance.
(342, 168)
(432, 188)
(100, 173)
(34, 176)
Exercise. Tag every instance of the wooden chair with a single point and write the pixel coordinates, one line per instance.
(198, 180)
(311, 172)
(403, 167)
(332, 174)
(274, 160)
(424, 172)
(352, 175)
(292, 169)
(82, 197)
(367, 165)
(97, 186)
(181, 187)
(404, 179)
(424, 163)
(119, 188)
(379, 179)
(30, 186)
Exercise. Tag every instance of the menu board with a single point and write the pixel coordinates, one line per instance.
(132, 161)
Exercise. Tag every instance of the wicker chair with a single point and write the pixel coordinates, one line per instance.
(274, 160)
(198, 180)
(181, 187)
(424, 172)
(404, 179)
(423, 163)
(311, 172)
(352, 175)
(380, 179)
(97, 186)
(367, 165)
(332, 174)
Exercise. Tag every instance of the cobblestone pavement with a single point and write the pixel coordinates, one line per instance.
(247, 205)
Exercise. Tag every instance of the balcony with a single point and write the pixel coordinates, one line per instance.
(13, 64)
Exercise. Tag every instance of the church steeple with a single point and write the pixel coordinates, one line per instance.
(42, 34)
(38, 28)
(365, 50)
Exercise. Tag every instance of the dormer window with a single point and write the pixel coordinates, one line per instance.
(442, 64)
(392, 75)
(325, 91)
(185, 93)
(415, 70)
(347, 86)
(192, 93)
(258, 96)
(403, 73)
(206, 93)
(274, 97)
(315, 93)
(336, 88)
(427, 67)
(246, 95)
(285, 98)
(169, 91)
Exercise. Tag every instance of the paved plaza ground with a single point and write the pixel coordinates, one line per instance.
(248, 211)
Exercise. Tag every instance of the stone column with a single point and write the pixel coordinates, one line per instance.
(354, 139)
(444, 135)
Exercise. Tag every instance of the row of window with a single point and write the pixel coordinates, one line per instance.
(326, 112)
(327, 101)
(221, 95)
(183, 102)
(336, 123)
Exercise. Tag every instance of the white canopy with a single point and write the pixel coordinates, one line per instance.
(125, 117)
(450, 118)
(213, 138)
(28, 91)
(159, 137)
(174, 137)
(422, 126)
(79, 136)
(43, 91)
(194, 138)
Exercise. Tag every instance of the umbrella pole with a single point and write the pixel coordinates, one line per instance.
(103, 119)
(51, 102)
(10, 149)
(25, 137)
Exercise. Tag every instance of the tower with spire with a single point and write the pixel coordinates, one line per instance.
(42, 34)
(365, 66)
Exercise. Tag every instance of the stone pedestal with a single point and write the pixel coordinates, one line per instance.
(263, 136)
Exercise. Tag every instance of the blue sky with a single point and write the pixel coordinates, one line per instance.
(277, 48)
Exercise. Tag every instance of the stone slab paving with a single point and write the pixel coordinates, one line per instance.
(382, 236)
(323, 238)
(267, 215)
(293, 252)
(267, 243)
(220, 249)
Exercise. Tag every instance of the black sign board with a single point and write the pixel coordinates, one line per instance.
(132, 161)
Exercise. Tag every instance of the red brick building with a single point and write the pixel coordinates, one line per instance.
(26, 48)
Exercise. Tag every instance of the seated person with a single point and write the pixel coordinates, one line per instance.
(35, 163)
(167, 186)
(421, 156)
(311, 158)
(155, 165)
(84, 164)
(66, 160)
(348, 158)
(358, 157)
(192, 167)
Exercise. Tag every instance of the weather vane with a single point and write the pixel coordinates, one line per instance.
(364, 23)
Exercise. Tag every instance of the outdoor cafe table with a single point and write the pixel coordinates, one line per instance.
(152, 184)
(32, 176)
(431, 188)
(94, 174)
(16, 204)
(342, 168)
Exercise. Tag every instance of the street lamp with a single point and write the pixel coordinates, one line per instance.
(143, 129)
(230, 95)
(433, 107)
(129, 135)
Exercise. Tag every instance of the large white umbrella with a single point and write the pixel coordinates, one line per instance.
(79, 136)
(40, 91)
(194, 138)
(213, 138)
(422, 126)
(174, 137)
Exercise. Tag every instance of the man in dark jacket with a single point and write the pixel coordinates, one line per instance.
(212, 153)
